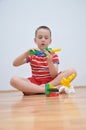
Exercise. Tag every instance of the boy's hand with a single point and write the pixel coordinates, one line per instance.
(31, 51)
(49, 56)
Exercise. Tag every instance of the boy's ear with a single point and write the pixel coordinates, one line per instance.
(35, 40)
(50, 41)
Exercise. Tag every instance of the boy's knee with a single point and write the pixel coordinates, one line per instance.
(72, 70)
(12, 80)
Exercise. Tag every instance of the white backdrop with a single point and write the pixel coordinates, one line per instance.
(20, 18)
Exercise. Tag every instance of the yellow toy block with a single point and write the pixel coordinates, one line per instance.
(66, 81)
(56, 50)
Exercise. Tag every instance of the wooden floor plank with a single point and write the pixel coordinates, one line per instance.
(38, 112)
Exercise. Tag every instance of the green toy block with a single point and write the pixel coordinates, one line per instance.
(47, 88)
(31, 52)
(48, 49)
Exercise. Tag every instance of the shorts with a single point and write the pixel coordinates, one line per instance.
(41, 80)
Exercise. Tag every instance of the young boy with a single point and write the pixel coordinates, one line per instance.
(44, 68)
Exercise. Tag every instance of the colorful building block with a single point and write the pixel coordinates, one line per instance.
(66, 81)
(50, 90)
(42, 53)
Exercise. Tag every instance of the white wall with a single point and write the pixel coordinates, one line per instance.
(20, 18)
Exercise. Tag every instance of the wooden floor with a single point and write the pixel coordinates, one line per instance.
(38, 112)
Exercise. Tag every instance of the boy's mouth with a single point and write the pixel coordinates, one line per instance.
(42, 44)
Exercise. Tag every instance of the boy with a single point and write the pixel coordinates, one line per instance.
(44, 68)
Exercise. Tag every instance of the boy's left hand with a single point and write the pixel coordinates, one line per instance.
(49, 56)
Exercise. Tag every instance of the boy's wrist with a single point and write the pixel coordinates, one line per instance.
(50, 63)
(26, 54)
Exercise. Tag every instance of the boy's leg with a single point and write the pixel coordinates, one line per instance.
(57, 80)
(25, 85)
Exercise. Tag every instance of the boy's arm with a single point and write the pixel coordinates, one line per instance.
(21, 59)
(53, 68)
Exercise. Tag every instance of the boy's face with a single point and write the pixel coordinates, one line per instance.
(43, 38)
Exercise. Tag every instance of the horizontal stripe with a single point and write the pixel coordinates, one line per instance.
(39, 66)
(41, 73)
(41, 76)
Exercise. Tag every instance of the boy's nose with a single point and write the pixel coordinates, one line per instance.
(43, 39)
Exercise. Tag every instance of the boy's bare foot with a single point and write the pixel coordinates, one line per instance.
(62, 90)
(66, 90)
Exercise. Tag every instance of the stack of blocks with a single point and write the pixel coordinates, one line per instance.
(51, 91)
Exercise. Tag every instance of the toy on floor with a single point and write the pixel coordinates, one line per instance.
(66, 86)
(42, 53)
(51, 91)
(66, 81)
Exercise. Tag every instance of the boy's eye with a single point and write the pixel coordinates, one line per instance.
(46, 37)
(40, 37)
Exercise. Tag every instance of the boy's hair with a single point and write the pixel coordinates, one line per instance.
(42, 27)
